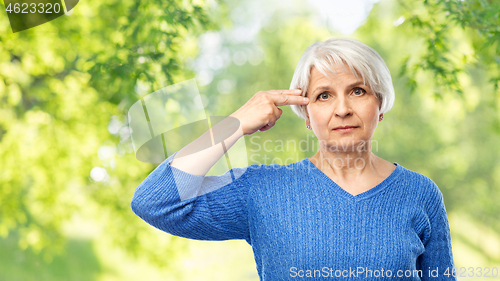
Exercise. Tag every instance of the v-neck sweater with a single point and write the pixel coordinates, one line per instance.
(301, 224)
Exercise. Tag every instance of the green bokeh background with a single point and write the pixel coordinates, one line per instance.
(66, 86)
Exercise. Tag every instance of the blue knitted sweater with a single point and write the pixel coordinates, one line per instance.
(301, 224)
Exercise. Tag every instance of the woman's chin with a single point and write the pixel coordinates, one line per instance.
(344, 145)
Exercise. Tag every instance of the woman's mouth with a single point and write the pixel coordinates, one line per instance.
(345, 129)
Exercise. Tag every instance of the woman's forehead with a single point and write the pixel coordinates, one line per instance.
(318, 77)
(334, 70)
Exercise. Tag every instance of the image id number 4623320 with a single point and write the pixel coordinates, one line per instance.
(472, 272)
(33, 8)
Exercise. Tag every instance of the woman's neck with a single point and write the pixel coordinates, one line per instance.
(346, 164)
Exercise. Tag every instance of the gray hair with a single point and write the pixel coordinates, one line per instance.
(361, 59)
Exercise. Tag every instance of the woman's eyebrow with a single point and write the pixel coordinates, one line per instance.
(356, 84)
(321, 88)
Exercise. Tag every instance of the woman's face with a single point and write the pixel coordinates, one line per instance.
(341, 101)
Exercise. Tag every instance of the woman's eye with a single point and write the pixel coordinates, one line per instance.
(323, 95)
(359, 91)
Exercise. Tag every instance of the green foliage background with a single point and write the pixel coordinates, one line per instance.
(66, 86)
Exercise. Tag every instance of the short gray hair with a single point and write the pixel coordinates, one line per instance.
(361, 60)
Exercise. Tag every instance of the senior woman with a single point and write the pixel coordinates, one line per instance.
(344, 212)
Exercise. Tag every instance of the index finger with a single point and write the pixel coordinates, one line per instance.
(287, 99)
(287, 92)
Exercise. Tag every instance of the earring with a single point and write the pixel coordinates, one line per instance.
(308, 127)
(381, 117)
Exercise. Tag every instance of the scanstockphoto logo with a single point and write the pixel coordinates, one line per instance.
(25, 14)
(164, 122)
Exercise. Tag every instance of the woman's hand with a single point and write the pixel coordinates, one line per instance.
(261, 112)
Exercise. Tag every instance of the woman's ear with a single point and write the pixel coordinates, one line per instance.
(308, 122)
(379, 99)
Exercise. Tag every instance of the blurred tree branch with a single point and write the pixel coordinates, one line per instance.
(432, 21)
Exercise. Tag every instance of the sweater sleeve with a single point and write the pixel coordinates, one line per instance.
(436, 262)
(195, 207)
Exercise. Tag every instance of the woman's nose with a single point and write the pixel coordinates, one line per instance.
(342, 108)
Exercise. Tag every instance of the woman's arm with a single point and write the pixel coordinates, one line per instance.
(260, 113)
(179, 199)
(198, 157)
(436, 262)
(167, 200)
